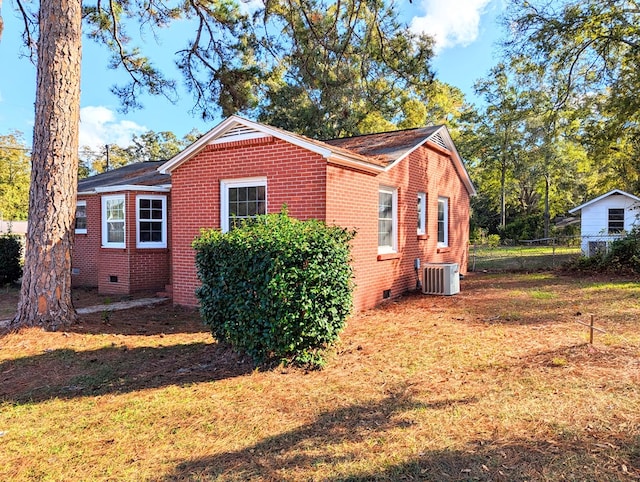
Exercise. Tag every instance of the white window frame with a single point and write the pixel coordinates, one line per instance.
(105, 231)
(227, 184)
(615, 231)
(445, 222)
(81, 230)
(393, 248)
(151, 244)
(422, 213)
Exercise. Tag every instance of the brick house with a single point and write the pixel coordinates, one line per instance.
(123, 230)
(405, 192)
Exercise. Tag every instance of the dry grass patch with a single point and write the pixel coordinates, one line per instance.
(497, 383)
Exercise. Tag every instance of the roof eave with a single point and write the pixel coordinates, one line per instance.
(599, 198)
(357, 164)
(131, 187)
(201, 143)
(455, 157)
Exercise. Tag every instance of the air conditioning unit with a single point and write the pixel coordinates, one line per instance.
(441, 279)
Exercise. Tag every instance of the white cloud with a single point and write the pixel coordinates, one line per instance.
(249, 7)
(451, 23)
(99, 126)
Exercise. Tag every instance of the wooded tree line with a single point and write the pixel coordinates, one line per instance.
(558, 122)
(15, 170)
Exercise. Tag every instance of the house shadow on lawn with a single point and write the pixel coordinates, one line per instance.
(66, 373)
(312, 444)
(347, 437)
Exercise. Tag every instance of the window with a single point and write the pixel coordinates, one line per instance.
(616, 221)
(152, 221)
(422, 213)
(387, 220)
(81, 217)
(113, 222)
(443, 222)
(242, 199)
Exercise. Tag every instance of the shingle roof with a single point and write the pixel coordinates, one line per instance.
(373, 152)
(138, 174)
(387, 145)
(335, 147)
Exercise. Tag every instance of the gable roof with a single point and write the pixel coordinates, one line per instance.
(599, 198)
(394, 146)
(139, 176)
(236, 128)
(373, 153)
(388, 145)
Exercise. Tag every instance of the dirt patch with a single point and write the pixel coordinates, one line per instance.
(81, 297)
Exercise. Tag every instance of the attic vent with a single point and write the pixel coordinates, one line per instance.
(239, 133)
(439, 140)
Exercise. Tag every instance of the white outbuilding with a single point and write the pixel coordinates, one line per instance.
(606, 218)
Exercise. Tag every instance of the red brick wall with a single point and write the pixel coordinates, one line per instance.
(298, 178)
(86, 246)
(294, 175)
(135, 269)
(352, 201)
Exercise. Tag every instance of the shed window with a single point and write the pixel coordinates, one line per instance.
(616, 221)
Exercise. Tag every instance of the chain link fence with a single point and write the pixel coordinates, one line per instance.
(536, 254)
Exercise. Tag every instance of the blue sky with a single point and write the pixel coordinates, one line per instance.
(465, 30)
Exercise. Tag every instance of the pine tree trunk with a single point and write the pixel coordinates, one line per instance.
(45, 298)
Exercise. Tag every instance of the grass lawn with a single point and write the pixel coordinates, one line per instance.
(494, 384)
(513, 258)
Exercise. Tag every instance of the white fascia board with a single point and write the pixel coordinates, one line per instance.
(197, 146)
(599, 198)
(466, 178)
(456, 159)
(228, 123)
(355, 164)
(132, 187)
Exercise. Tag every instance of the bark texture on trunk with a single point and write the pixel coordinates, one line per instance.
(45, 298)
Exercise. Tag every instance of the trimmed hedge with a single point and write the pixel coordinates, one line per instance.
(10, 254)
(276, 288)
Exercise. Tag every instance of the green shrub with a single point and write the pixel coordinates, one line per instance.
(525, 227)
(493, 240)
(10, 254)
(276, 288)
(588, 263)
(624, 253)
(623, 256)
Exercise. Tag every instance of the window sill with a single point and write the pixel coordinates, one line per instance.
(388, 256)
(422, 237)
(443, 249)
